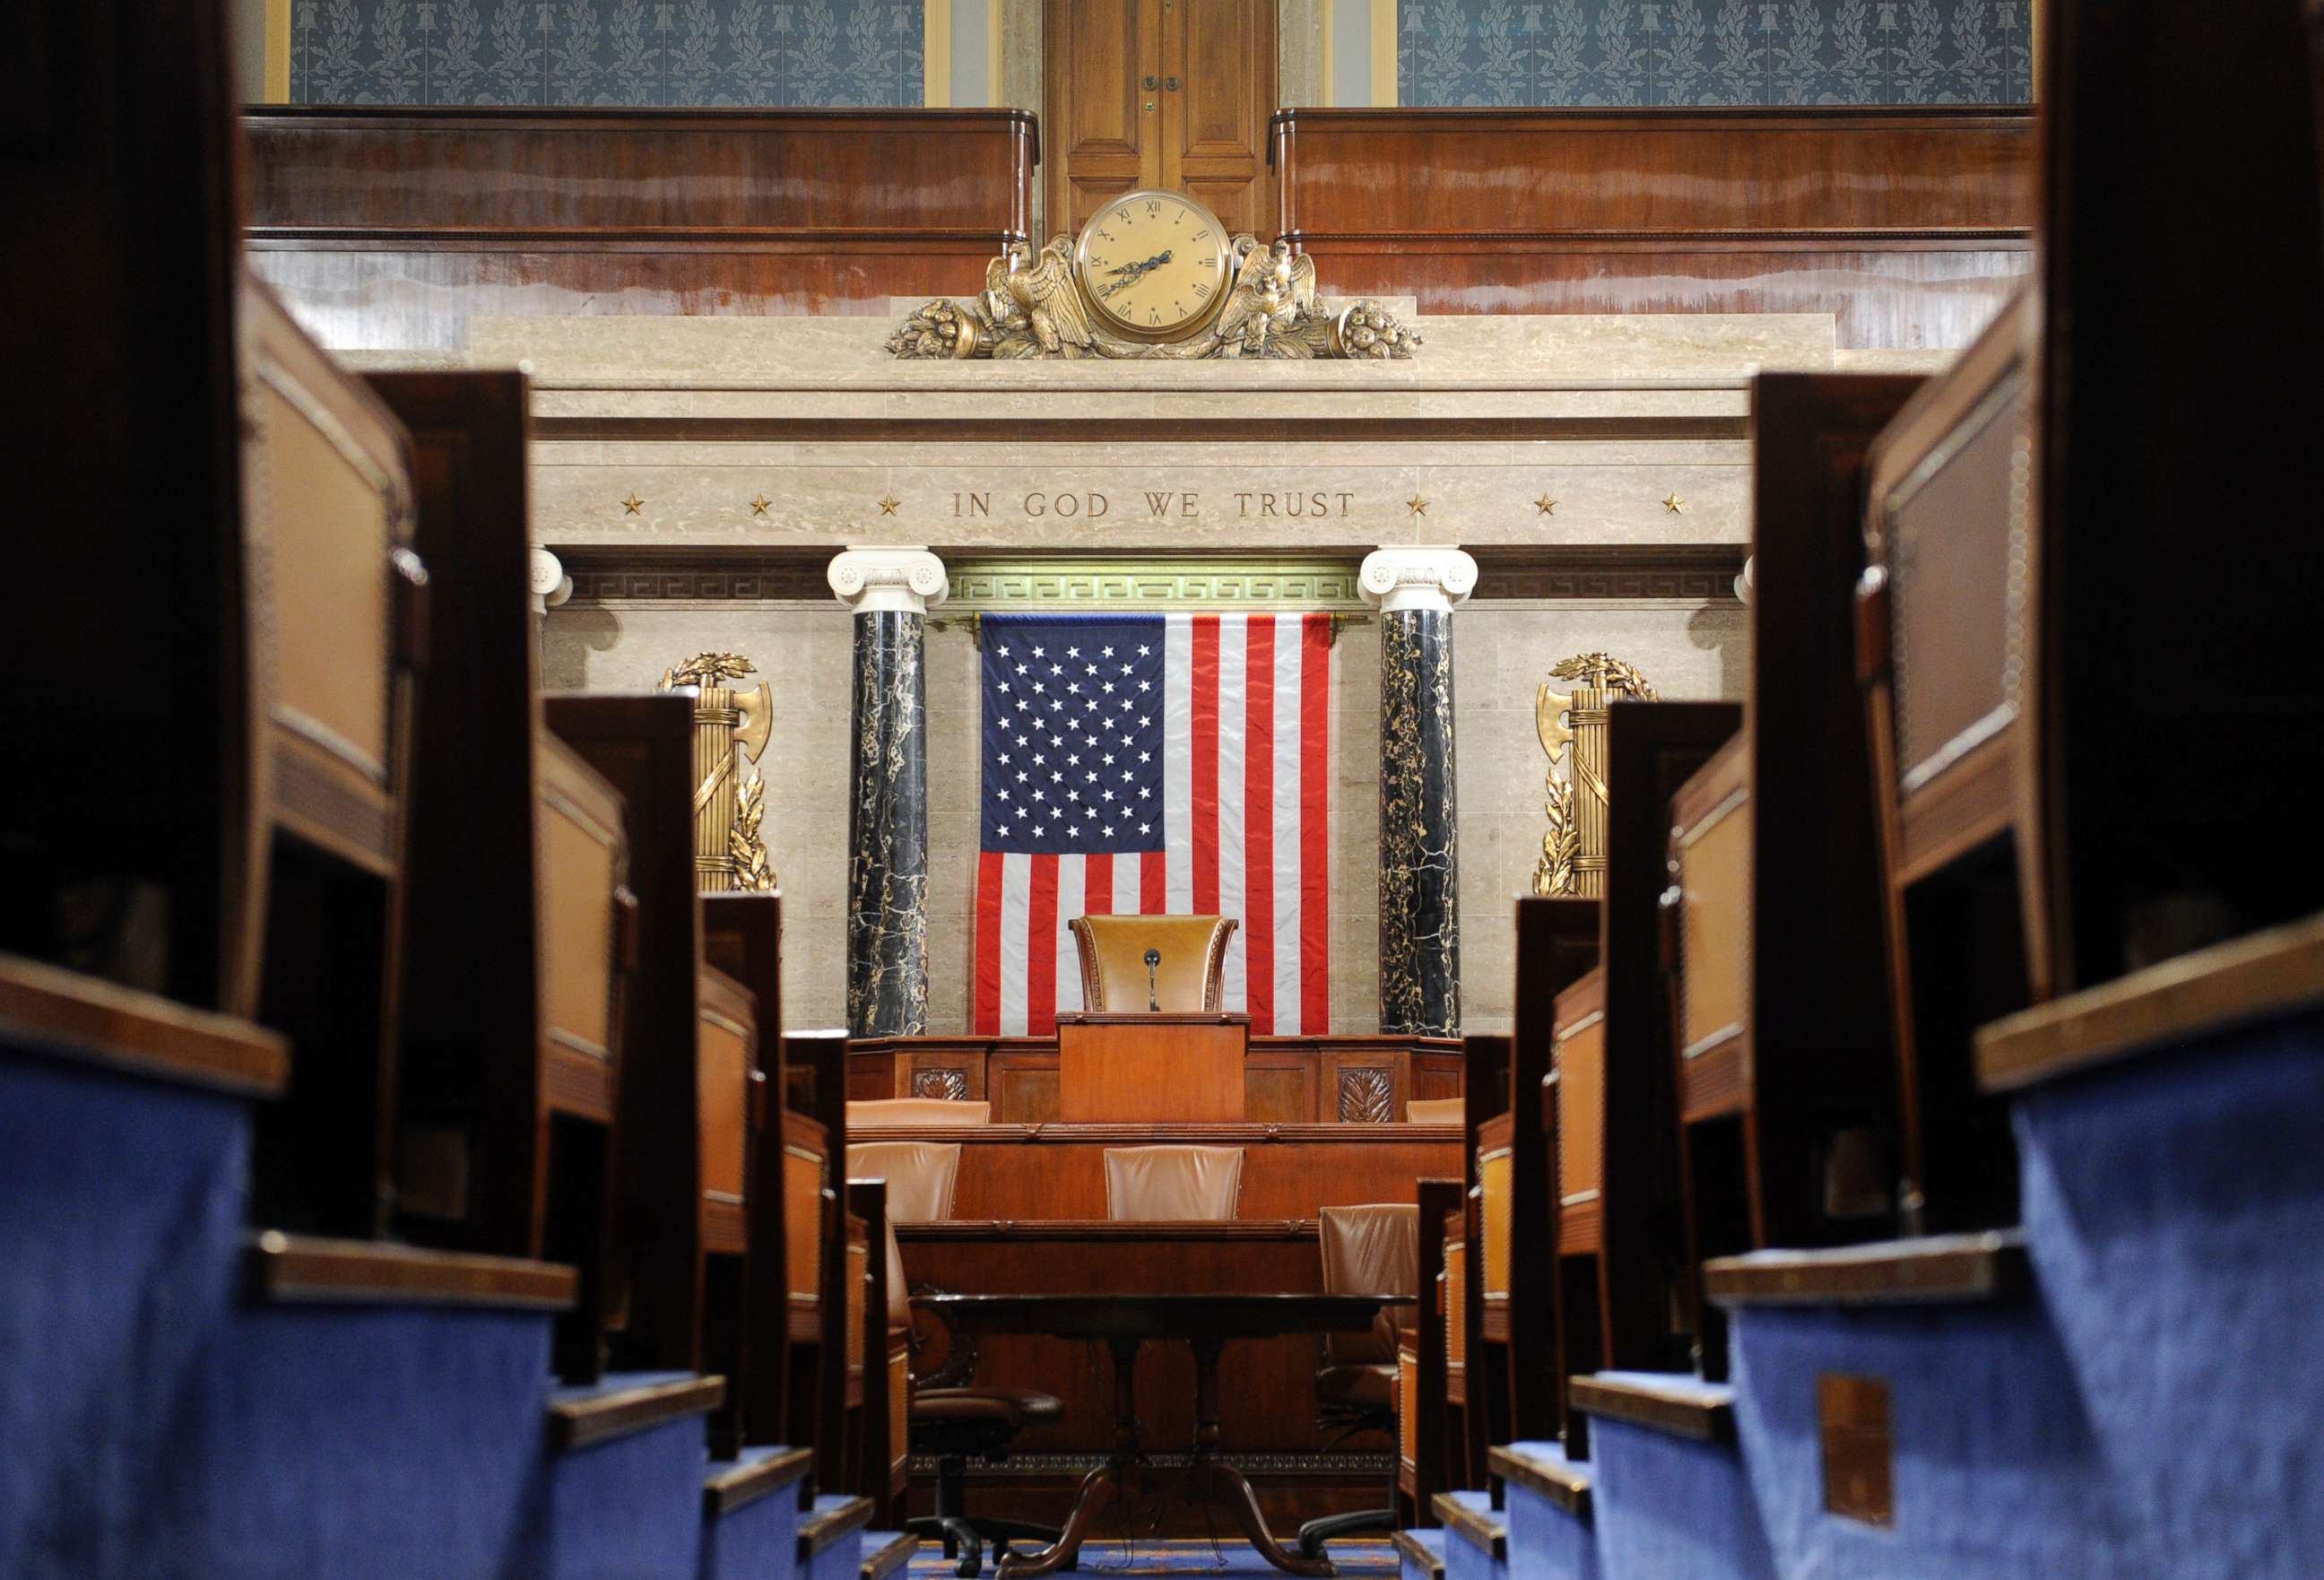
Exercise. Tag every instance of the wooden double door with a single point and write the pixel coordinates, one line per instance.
(1174, 94)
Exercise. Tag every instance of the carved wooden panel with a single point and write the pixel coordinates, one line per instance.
(1367, 1095)
(951, 1085)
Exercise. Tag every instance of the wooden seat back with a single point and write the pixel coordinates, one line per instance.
(729, 1097)
(2046, 522)
(886, 1468)
(334, 605)
(510, 1012)
(644, 746)
(129, 269)
(1618, 1260)
(1773, 916)
(1557, 941)
(1422, 1359)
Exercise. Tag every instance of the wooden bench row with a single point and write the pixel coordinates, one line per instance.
(2030, 706)
(468, 913)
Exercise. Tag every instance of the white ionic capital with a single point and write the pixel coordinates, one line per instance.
(902, 581)
(1745, 583)
(549, 585)
(1439, 577)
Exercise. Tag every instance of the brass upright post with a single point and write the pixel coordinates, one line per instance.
(715, 718)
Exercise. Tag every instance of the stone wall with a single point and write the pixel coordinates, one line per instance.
(1502, 650)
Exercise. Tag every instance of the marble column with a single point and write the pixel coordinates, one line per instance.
(1416, 591)
(890, 590)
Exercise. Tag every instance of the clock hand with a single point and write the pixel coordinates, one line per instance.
(1133, 273)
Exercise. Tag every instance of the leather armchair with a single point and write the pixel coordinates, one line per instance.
(1172, 1183)
(1369, 1250)
(1113, 949)
(954, 1424)
(1433, 1111)
(894, 1112)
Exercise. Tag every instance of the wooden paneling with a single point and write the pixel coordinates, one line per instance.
(1172, 93)
(389, 228)
(1151, 1067)
(1286, 1080)
(1911, 226)
(1034, 1173)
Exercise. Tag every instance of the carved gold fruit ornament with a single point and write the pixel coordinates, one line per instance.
(1573, 729)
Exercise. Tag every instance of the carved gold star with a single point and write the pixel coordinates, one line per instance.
(1675, 505)
(1417, 505)
(888, 504)
(1546, 506)
(632, 504)
(759, 506)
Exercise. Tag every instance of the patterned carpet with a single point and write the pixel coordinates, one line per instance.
(1364, 1559)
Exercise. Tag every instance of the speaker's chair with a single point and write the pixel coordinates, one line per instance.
(1192, 963)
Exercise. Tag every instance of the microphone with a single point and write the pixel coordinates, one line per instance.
(1153, 958)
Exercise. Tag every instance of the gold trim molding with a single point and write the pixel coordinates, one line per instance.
(1305, 584)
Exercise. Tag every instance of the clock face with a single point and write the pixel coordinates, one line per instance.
(1153, 265)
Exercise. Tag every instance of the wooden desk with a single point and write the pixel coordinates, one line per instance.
(1286, 1080)
(1208, 1323)
(1151, 1067)
(1050, 1171)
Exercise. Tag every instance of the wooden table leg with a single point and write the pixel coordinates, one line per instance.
(1210, 1469)
(1102, 1485)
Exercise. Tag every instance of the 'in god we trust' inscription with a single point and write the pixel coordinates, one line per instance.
(1158, 504)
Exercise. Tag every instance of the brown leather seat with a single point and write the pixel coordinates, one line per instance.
(1373, 1248)
(1113, 948)
(1428, 1110)
(894, 1112)
(1173, 1184)
(954, 1424)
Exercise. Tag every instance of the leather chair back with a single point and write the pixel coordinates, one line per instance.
(1373, 1248)
(892, 1113)
(1426, 1111)
(1113, 948)
(920, 1176)
(1172, 1183)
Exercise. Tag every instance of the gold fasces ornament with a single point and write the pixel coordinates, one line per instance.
(730, 727)
(1573, 851)
(1032, 305)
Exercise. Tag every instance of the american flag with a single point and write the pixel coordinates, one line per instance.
(1154, 763)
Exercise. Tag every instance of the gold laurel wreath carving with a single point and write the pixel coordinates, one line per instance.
(1607, 673)
(1562, 843)
(752, 873)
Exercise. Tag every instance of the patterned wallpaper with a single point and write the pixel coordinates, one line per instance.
(820, 53)
(1563, 52)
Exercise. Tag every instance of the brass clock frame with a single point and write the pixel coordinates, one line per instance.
(1223, 263)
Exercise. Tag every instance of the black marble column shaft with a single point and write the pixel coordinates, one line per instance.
(887, 830)
(1420, 874)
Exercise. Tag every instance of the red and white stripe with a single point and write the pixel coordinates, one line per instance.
(1246, 785)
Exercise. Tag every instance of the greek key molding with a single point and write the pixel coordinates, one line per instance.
(1323, 583)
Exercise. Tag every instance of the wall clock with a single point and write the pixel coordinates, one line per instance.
(1154, 265)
